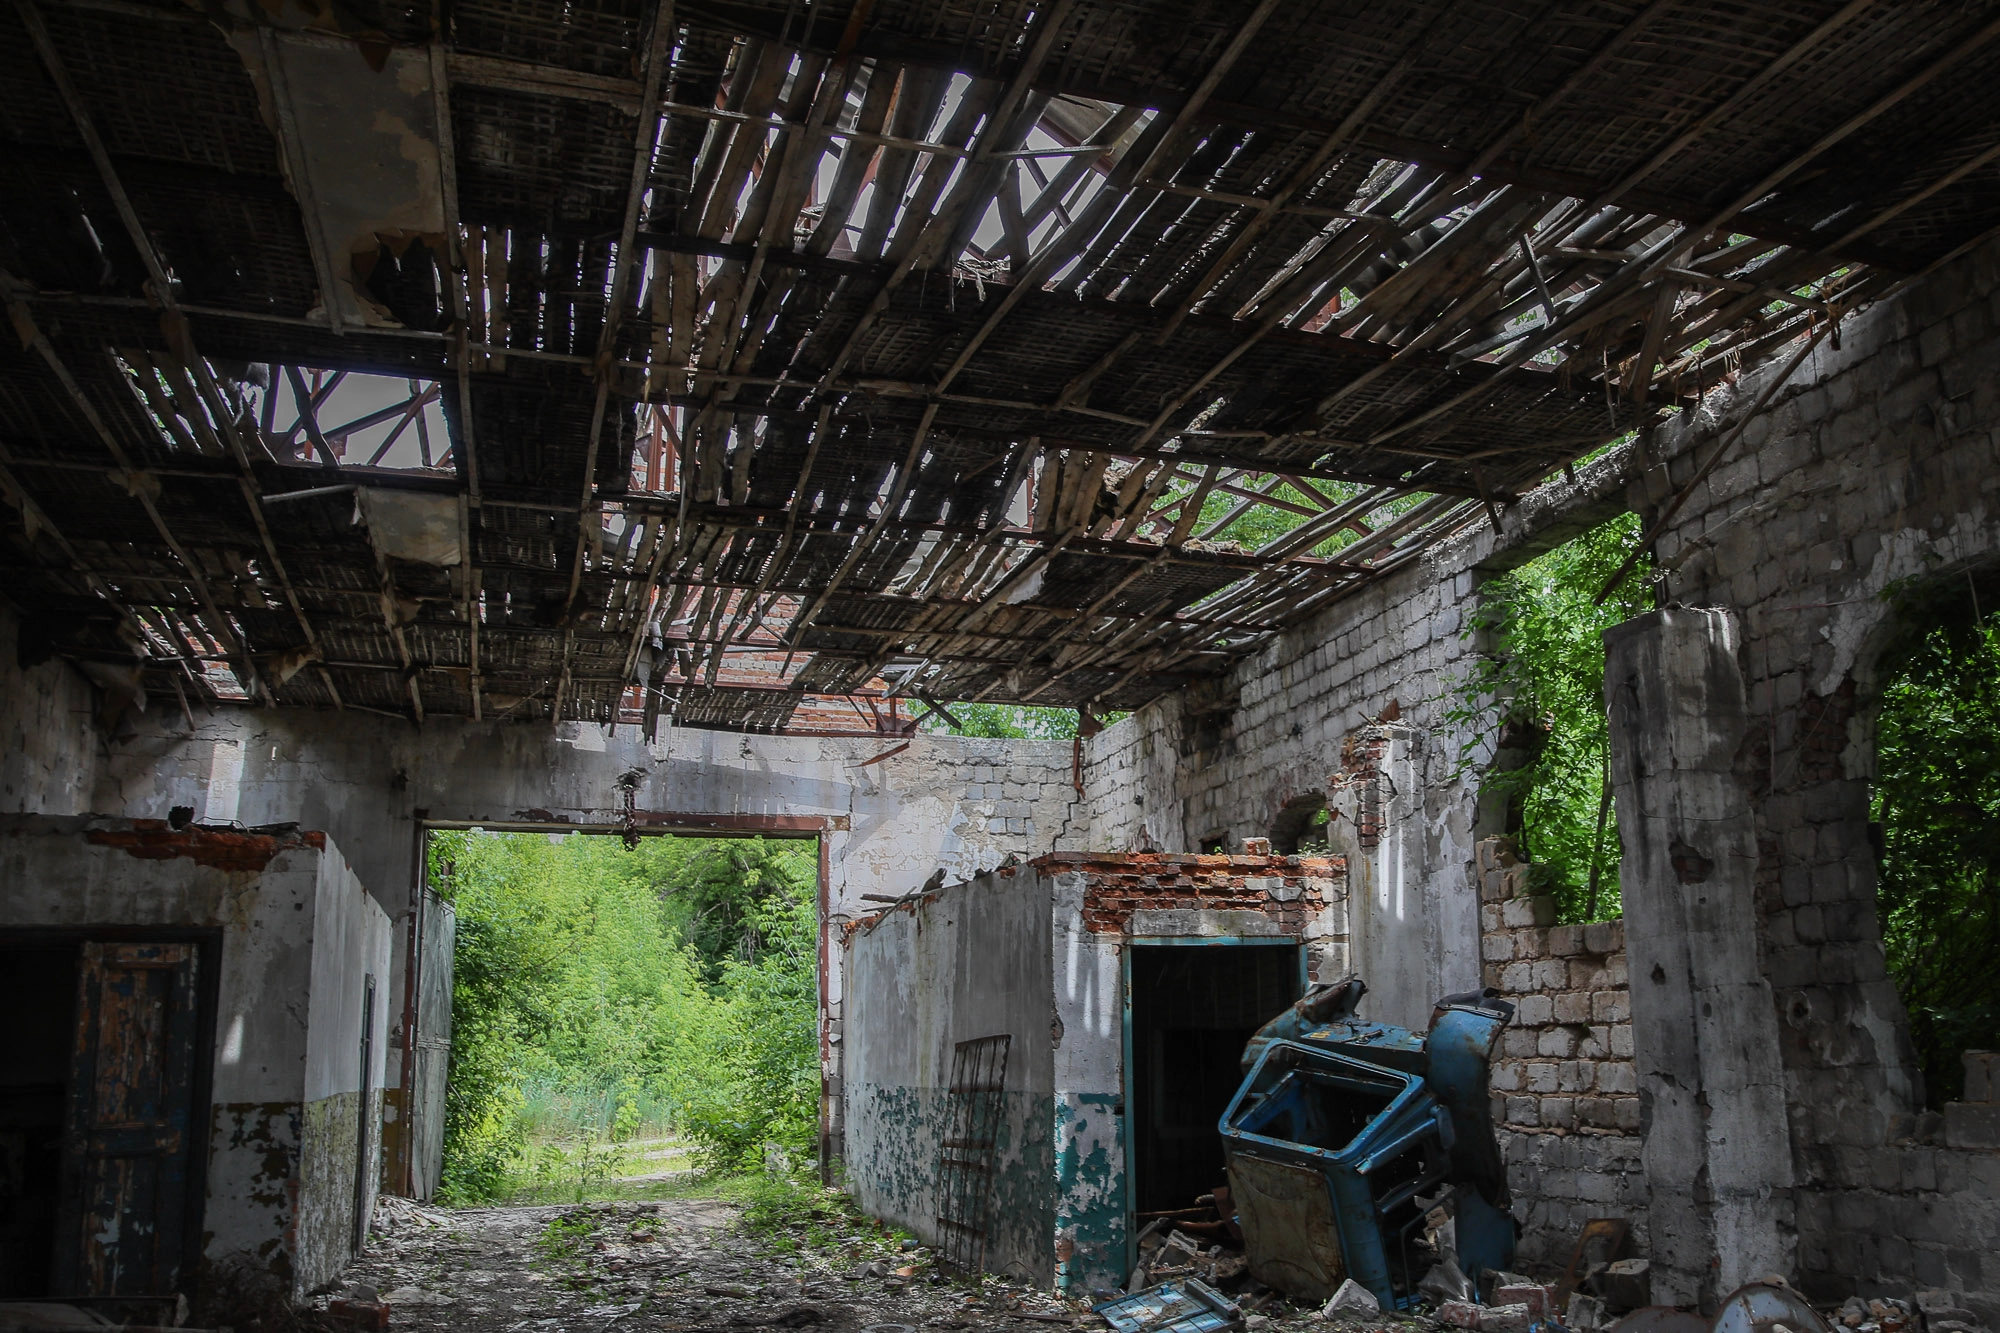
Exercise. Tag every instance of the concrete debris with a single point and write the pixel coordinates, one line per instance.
(367, 1315)
(1586, 1314)
(1446, 1282)
(1625, 1284)
(1352, 1299)
(1540, 1300)
(414, 1296)
(396, 1216)
(1486, 1318)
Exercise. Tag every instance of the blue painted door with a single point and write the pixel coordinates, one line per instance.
(129, 1130)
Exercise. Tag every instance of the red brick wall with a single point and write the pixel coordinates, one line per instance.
(1288, 889)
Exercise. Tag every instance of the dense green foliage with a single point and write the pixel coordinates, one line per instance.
(1937, 801)
(1534, 705)
(1005, 720)
(598, 989)
(1010, 721)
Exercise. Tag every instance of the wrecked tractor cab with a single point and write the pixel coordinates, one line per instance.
(1347, 1137)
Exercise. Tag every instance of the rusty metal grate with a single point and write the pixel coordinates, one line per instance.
(965, 1157)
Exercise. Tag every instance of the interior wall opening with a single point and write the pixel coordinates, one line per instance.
(38, 988)
(1530, 712)
(1301, 827)
(1935, 812)
(103, 1095)
(625, 1010)
(1193, 1006)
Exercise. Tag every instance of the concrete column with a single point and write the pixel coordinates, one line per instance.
(1413, 918)
(1718, 1149)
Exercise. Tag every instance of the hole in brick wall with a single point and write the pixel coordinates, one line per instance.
(1535, 696)
(1192, 1011)
(1301, 826)
(1936, 803)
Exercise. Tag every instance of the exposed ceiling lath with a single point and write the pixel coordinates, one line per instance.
(746, 363)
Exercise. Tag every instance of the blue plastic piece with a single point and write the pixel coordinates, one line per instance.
(1184, 1305)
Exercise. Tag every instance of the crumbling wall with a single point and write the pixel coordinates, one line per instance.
(1565, 1091)
(278, 1210)
(49, 748)
(939, 801)
(1877, 462)
(967, 961)
(1222, 760)
(894, 810)
(1050, 934)
(349, 1020)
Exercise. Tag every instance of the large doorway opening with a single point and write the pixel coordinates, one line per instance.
(1194, 1004)
(38, 988)
(626, 1010)
(1935, 807)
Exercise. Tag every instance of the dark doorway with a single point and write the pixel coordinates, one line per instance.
(1193, 1007)
(101, 1145)
(38, 994)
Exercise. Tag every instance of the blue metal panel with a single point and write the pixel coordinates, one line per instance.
(1346, 1098)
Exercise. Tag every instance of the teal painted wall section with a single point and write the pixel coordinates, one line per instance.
(899, 1130)
(1090, 1192)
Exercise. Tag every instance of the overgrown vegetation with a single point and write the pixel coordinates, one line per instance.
(1936, 802)
(1532, 710)
(1011, 721)
(603, 996)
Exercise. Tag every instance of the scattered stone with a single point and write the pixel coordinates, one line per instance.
(1446, 1282)
(1624, 1285)
(414, 1296)
(369, 1314)
(1586, 1314)
(1459, 1314)
(1539, 1299)
(1352, 1301)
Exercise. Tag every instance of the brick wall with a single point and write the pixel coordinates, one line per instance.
(1305, 896)
(1565, 1092)
(1225, 758)
(1879, 461)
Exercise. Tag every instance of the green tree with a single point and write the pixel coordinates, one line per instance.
(1537, 699)
(1006, 721)
(1936, 800)
(591, 976)
(762, 1056)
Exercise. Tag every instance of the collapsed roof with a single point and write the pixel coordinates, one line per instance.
(747, 363)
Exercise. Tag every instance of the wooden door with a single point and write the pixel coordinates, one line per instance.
(121, 1223)
(432, 1060)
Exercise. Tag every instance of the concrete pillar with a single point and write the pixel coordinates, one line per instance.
(1718, 1149)
(1412, 916)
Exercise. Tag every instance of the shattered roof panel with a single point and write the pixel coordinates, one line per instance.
(761, 365)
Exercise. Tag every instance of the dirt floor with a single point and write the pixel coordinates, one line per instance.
(675, 1265)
